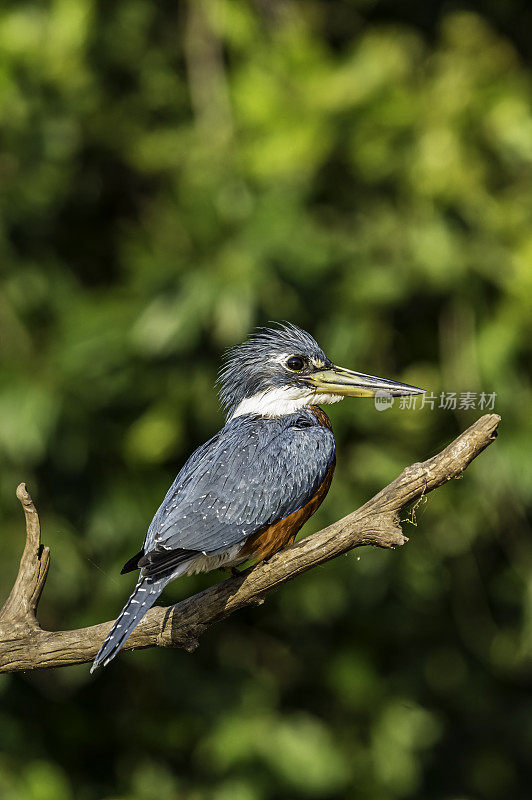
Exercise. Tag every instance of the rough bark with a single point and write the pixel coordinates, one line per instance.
(24, 645)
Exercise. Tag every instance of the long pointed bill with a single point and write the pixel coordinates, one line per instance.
(348, 383)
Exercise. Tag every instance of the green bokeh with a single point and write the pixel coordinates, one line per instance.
(172, 174)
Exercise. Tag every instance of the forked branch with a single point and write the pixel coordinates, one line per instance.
(25, 645)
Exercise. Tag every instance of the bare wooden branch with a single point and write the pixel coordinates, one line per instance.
(25, 645)
(20, 608)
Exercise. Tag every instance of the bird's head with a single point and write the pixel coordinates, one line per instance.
(279, 370)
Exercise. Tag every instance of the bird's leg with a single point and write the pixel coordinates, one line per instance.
(235, 572)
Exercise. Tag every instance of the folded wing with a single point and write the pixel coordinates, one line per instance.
(253, 473)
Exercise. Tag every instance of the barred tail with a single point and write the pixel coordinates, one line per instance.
(143, 597)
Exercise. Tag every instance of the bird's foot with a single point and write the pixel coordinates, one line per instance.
(235, 572)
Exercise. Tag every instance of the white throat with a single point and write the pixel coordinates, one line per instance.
(283, 401)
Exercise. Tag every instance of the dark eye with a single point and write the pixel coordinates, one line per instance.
(295, 363)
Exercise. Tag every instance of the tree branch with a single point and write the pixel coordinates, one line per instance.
(25, 645)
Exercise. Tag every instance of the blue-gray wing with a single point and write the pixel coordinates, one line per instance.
(253, 473)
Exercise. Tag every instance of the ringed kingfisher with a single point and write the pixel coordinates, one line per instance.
(245, 493)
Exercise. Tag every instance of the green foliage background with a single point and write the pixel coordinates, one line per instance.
(172, 175)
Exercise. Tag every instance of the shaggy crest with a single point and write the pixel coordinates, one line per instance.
(254, 366)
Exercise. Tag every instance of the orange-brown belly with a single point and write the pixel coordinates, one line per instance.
(268, 541)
